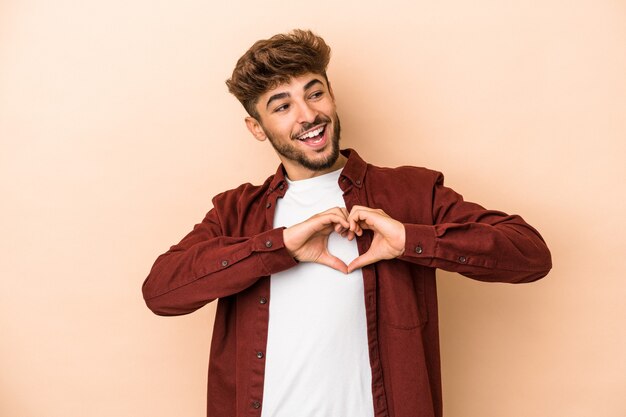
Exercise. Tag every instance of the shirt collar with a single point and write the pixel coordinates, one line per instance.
(354, 171)
(355, 167)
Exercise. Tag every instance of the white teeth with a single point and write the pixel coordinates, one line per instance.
(311, 133)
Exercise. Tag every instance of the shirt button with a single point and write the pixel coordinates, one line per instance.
(259, 355)
(358, 182)
(462, 259)
(281, 186)
(268, 244)
(256, 404)
(224, 263)
(268, 205)
(418, 249)
(263, 300)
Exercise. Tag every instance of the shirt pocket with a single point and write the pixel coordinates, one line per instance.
(401, 301)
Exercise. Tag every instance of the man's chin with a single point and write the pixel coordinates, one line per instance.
(324, 159)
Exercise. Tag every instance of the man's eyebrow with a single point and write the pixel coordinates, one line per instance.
(312, 83)
(285, 94)
(276, 97)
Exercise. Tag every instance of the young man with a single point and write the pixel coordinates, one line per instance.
(325, 274)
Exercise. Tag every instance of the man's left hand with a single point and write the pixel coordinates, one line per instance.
(389, 235)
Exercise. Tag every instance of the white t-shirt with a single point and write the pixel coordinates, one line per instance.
(317, 359)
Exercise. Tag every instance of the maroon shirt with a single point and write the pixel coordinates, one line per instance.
(232, 253)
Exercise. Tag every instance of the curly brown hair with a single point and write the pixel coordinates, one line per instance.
(273, 61)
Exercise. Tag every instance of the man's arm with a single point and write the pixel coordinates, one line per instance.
(481, 244)
(206, 265)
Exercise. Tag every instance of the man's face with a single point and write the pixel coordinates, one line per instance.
(300, 120)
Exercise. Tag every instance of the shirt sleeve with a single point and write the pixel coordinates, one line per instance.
(482, 244)
(206, 265)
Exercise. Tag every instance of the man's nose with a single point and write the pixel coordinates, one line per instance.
(307, 114)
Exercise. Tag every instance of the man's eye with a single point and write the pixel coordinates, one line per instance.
(316, 94)
(281, 108)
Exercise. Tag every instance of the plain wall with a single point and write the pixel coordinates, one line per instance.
(116, 129)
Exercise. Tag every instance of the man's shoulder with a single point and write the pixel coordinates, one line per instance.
(410, 174)
(357, 168)
(245, 192)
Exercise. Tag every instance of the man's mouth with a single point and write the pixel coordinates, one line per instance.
(313, 136)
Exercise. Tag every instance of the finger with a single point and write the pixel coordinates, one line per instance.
(326, 219)
(359, 262)
(340, 211)
(353, 221)
(368, 218)
(348, 234)
(357, 208)
(333, 262)
(359, 220)
(355, 227)
(345, 232)
(363, 209)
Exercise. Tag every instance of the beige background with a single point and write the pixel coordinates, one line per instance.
(116, 129)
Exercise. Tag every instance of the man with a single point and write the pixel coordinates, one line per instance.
(325, 274)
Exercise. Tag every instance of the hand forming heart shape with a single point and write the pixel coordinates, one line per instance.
(308, 241)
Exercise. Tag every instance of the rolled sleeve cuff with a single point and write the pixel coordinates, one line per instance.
(273, 254)
(420, 241)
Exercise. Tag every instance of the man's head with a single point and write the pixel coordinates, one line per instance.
(275, 61)
(283, 86)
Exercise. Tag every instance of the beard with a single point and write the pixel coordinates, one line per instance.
(289, 151)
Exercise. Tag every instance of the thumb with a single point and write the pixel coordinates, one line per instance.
(361, 261)
(333, 262)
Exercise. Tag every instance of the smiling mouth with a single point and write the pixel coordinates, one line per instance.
(313, 136)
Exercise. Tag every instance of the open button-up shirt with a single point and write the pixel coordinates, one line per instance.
(232, 253)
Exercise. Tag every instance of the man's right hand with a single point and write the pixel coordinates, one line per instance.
(308, 241)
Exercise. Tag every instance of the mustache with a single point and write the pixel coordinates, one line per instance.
(319, 119)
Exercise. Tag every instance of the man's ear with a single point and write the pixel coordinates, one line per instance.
(255, 128)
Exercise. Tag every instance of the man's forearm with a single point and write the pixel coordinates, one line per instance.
(205, 266)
